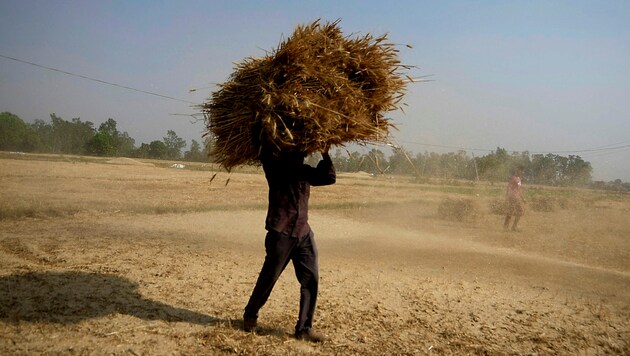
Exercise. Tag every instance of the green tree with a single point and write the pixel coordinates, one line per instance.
(426, 164)
(125, 144)
(494, 166)
(16, 135)
(174, 145)
(208, 142)
(561, 164)
(400, 162)
(340, 161)
(157, 149)
(464, 166)
(453, 165)
(70, 136)
(195, 153)
(108, 141)
(355, 162)
(578, 172)
(109, 128)
(543, 169)
(43, 131)
(142, 151)
(101, 144)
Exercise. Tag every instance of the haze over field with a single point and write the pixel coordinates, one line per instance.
(110, 256)
(525, 76)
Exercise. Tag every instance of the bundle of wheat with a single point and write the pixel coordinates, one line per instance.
(318, 88)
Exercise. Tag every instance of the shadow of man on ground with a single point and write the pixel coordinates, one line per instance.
(70, 297)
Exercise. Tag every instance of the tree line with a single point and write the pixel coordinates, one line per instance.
(497, 166)
(83, 138)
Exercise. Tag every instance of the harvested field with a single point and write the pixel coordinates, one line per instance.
(99, 258)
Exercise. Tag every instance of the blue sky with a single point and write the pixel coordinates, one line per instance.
(538, 76)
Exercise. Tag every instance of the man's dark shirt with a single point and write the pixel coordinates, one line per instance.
(289, 181)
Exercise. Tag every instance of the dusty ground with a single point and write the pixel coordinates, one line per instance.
(99, 258)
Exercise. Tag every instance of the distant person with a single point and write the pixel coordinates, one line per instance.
(289, 236)
(515, 202)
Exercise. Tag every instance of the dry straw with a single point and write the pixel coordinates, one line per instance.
(317, 89)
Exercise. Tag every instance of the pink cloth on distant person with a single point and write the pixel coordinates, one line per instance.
(514, 197)
(514, 188)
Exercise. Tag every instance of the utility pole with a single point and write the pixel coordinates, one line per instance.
(475, 163)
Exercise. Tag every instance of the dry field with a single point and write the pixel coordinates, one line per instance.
(101, 256)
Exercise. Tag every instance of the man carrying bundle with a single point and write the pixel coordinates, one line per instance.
(289, 236)
(319, 88)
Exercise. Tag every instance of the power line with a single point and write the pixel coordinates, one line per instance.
(605, 153)
(97, 80)
(602, 149)
(445, 146)
(610, 147)
(614, 144)
(591, 150)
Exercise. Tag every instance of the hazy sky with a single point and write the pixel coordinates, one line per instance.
(537, 76)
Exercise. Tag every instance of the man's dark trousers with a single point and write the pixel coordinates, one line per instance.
(280, 249)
